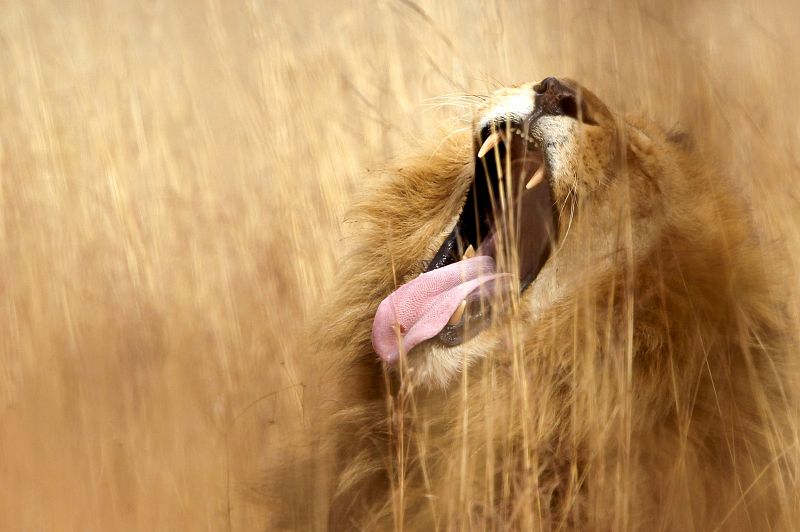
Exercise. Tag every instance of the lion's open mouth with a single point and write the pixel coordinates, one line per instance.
(500, 242)
(504, 232)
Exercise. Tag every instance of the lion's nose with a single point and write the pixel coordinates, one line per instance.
(549, 85)
(554, 97)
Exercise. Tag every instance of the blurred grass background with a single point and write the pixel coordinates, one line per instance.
(173, 179)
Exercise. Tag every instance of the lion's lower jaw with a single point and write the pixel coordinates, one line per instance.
(579, 266)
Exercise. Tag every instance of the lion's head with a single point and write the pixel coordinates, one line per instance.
(534, 208)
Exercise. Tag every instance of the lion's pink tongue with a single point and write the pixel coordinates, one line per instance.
(420, 309)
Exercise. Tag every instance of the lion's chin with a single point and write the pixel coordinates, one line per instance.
(435, 366)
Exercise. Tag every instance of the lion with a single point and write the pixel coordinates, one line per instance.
(559, 317)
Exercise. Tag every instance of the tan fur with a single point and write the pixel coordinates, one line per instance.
(641, 384)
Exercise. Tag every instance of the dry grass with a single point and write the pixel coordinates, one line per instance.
(174, 175)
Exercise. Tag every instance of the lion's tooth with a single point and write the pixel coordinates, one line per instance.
(536, 179)
(468, 253)
(458, 314)
(490, 142)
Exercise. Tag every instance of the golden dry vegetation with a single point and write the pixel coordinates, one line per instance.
(174, 175)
